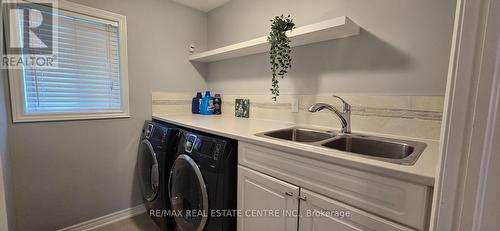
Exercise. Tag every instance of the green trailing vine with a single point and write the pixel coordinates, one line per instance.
(279, 53)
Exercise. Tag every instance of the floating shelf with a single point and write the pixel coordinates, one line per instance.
(335, 28)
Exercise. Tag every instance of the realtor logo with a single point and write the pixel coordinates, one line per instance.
(31, 32)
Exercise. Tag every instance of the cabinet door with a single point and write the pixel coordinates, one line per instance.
(319, 213)
(266, 203)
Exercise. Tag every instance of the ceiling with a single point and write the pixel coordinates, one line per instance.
(203, 5)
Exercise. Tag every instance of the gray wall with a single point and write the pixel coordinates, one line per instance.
(69, 172)
(403, 48)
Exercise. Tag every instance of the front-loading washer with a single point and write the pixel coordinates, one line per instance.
(202, 182)
(157, 150)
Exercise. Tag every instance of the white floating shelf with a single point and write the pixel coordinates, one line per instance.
(335, 28)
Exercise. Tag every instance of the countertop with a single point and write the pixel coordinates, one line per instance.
(242, 129)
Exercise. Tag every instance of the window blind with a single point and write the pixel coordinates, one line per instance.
(87, 76)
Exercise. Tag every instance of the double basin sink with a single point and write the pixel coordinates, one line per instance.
(385, 149)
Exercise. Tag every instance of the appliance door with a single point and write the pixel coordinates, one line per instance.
(188, 195)
(149, 171)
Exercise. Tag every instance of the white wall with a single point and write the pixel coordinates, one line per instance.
(7, 221)
(5, 189)
(491, 209)
(5, 181)
(403, 48)
(4, 220)
(69, 172)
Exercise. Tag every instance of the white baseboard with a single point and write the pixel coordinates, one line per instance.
(106, 219)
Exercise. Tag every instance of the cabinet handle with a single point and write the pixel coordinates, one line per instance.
(290, 194)
(303, 198)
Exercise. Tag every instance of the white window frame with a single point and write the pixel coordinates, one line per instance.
(19, 113)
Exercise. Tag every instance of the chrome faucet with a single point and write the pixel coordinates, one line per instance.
(344, 116)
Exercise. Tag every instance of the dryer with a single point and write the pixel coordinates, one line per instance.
(202, 182)
(157, 150)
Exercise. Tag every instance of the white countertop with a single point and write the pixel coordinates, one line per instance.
(422, 172)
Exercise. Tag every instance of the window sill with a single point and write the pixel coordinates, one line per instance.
(66, 117)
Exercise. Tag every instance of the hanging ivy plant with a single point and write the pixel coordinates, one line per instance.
(280, 50)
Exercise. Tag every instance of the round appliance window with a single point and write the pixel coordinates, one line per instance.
(188, 194)
(148, 168)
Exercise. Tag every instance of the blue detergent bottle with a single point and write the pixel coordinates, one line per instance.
(207, 104)
(195, 107)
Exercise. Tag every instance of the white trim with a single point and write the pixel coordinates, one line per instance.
(478, 166)
(465, 135)
(455, 115)
(107, 219)
(16, 86)
(487, 152)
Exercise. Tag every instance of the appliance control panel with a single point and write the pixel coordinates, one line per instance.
(218, 150)
(206, 147)
(148, 131)
(190, 142)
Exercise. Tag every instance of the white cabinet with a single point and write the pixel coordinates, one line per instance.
(321, 213)
(400, 201)
(268, 203)
(260, 197)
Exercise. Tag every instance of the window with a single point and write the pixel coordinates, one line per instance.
(87, 78)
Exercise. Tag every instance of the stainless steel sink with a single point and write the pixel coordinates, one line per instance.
(298, 134)
(390, 150)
